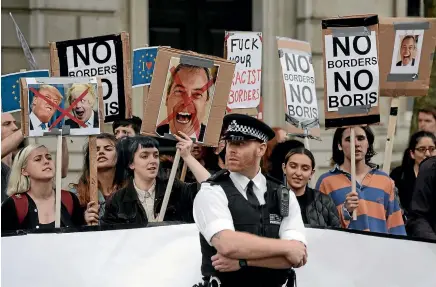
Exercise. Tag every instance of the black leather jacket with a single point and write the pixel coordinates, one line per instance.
(320, 210)
(124, 207)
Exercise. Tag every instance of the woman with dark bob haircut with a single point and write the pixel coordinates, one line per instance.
(317, 209)
(141, 200)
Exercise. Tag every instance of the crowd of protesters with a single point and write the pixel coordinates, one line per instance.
(133, 174)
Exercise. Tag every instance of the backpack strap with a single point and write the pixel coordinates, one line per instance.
(21, 206)
(67, 201)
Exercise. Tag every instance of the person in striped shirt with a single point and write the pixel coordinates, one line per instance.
(374, 199)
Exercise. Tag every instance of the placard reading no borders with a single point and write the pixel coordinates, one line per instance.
(299, 84)
(106, 56)
(351, 69)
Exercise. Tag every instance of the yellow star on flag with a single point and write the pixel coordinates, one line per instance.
(13, 87)
(13, 92)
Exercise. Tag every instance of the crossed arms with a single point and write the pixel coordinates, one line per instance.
(214, 220)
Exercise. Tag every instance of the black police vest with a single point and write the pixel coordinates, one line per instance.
(262, 221)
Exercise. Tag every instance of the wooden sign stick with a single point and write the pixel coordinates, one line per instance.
(58, 201)
(163, 208)
(93, 180)
(307, 146)
(353, 165)
(306, 143)
(391, 134)
(184, 170)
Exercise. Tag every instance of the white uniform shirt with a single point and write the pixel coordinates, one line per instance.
(212, 214)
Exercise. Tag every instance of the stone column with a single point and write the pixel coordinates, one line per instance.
(138, 29)
(278, 19)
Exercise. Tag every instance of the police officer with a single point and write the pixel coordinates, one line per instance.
(251, 228)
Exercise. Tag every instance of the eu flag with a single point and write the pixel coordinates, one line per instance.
(10, 95)
(143, 66)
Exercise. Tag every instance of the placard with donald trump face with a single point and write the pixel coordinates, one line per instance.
(50, 103)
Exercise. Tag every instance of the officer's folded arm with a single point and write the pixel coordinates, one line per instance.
(214, 220)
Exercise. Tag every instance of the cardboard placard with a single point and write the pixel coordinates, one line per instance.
(104, 56)
(245, 48)
(406, 55)
(55, 102)
(189, 93)
(301, 106)
(351, 71)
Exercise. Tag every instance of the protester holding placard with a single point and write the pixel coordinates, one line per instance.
(140, 201)
(11, 139)
(241, 214)
(421, 145)
(108, 183)
(422, 221)
(32, 195)
(375, 202)
(317, 209)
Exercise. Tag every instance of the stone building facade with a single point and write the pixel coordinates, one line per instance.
(43, 21)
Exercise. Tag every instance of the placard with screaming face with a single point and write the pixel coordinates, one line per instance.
(187, 99)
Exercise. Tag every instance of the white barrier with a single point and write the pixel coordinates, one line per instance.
(170, 256)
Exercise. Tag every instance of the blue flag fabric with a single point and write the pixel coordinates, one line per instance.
(143, 66)
(10, 87)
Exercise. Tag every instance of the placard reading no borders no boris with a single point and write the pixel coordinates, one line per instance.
(301, 111)
(104, 56)
(351, 71)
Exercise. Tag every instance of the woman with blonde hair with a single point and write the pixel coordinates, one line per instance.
(31, 201)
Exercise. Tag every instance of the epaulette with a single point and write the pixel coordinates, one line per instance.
(218, 175)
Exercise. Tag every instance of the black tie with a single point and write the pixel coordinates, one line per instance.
(252, 199)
